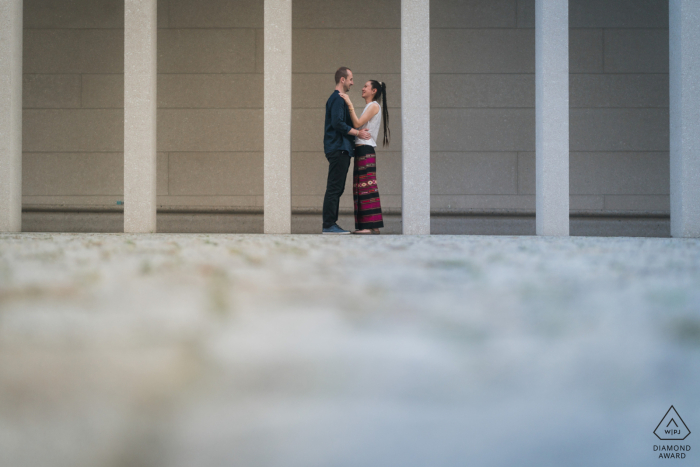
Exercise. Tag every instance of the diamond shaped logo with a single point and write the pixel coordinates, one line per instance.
(671, 427)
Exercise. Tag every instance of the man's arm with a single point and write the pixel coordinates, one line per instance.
(338, 118)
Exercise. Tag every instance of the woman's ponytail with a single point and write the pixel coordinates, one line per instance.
(381, 92)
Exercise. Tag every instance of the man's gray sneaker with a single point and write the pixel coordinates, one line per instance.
(335, 230)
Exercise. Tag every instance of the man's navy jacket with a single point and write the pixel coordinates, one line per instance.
(338, 124)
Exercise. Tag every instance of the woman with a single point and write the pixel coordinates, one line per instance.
(368, 209)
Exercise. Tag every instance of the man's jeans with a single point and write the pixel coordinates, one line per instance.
(338, 164)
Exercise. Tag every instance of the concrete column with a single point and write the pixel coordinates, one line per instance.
(278, 117)
(552, 116)
(684, 70)
(140, 83)
(415, 116)
(11, 30)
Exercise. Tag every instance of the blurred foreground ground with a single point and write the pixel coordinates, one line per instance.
(305, 351)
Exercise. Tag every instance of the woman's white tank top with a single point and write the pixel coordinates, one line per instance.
(372, 125)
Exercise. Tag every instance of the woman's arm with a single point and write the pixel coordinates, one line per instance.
(358, 122)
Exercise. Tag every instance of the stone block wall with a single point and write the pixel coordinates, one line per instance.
(483, 98)
(72, 120)
(210, 97)
(620, 106)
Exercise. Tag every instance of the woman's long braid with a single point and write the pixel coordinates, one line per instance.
(385, 116)
(381, 92)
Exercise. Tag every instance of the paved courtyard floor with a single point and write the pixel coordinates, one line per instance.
(305, 351)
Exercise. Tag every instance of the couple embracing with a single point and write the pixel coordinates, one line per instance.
(347, 136)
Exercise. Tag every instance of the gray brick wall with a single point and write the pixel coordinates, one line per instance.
(482, 95)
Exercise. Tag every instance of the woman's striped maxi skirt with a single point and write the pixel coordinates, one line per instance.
(365, 194)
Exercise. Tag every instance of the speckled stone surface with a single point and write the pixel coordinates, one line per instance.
(265, 350)
(415, 116)
(11, 115)
(278, 117)
(684, 83)
(140, 119)
(552, 117)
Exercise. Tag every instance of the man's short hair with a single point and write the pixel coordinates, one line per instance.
(341, 73)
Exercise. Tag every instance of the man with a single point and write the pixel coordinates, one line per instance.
(338, 144)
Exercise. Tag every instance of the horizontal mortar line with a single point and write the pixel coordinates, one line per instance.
(666, 73)
(224, 73)
(322, 108)
(72, 73)
(355, 72)
(261, 28)
(508, 28)
(187, 73)
(528, 73)
(72, 108)
(254, 195)
(476, 152)
(524, 195)
(338, 29)
(64, 74)
(223, 28)
(157, 151)
(571, 107)
(614, 28)
(475, 28)
(493, 195)
(611, 28)
(646, 151)
(74, 152)
(530, 108)
(121, 28)
(571, 28)
(623, 73)
(329, 28)
(210, 108)
(487, 108)
(159, 196)
(343, 28)
(159, 108)
(216, 152)
(213, 28)
(320, 196)
(397, 73)
(493, 28)
(476, 73)
(485, 151)
(212, 196)
(170, 28)
(320, 151)
(577, 73)
(649, 107)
